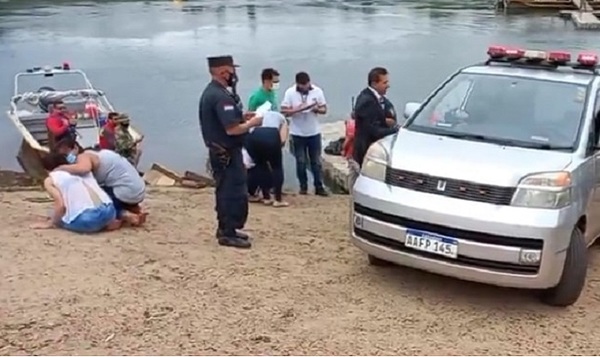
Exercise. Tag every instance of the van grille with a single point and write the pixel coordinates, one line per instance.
(480, 237)
(461, 259)
(464, 190)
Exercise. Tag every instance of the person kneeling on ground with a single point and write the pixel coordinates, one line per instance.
(251, 177)
(80, 205)
(114, 173)
(264, 144)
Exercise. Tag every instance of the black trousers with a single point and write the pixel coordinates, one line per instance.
(264, 146)
(231, 192)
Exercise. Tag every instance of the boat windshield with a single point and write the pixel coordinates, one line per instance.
(61, 81)
(512, 111)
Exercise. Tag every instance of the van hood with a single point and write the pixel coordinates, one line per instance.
(467, 160)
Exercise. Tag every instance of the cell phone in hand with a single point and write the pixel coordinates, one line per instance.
(310, 107)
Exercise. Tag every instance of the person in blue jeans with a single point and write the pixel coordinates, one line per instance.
(80, 205)
(264, 145)
(302, 104)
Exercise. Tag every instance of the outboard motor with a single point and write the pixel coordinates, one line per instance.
(44, 103)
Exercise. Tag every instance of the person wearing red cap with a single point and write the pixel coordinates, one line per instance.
(224, 125)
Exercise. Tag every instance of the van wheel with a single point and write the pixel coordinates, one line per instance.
(572, 280)
(374, 261)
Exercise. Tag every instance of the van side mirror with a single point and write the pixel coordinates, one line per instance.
(410, 108)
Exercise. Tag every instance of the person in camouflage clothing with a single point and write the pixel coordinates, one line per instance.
(125, 145)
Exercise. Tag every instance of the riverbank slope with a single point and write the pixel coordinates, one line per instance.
(168, 288)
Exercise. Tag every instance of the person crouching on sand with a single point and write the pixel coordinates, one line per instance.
(117, 177)
(264, 144)
(80, 205)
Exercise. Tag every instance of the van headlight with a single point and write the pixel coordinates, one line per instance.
(375, 162)
(544, 190)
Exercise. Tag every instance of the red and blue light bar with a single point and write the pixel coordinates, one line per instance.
(585, 59)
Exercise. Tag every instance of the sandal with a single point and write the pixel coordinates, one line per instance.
(280, 204)
(267, 202)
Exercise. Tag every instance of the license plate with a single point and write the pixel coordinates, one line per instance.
(431, 243)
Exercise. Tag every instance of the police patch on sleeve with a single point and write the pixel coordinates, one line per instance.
(228, 107)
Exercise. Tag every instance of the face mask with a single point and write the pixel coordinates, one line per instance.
(276, 86)
(232, 80)
(71, 158)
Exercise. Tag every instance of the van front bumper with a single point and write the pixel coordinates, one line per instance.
(492, 240)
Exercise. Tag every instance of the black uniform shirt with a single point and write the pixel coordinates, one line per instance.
(218, 110)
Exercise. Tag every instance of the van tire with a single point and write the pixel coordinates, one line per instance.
(374, 261)
(572, 280)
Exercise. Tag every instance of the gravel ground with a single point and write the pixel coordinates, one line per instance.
(169, 289)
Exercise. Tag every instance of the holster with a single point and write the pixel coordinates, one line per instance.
(221, 153)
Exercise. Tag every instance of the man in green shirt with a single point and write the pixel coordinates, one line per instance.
(266, 92)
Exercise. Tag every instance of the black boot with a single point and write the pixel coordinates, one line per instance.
(238, 234)
(234, 242)
(320, 191)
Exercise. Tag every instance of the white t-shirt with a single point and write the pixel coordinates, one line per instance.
(305, 123)
(75, 194)
(271, 119)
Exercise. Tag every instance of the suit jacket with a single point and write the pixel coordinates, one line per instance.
(370, 114)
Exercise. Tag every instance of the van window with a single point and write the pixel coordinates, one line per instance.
(519, 111)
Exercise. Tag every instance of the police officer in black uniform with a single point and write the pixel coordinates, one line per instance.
(224, 126)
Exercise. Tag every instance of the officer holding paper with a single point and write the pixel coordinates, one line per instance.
(224, 126)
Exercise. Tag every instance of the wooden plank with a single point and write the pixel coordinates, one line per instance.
(168, 173)
(585, 20)
(193, 176)
(569, 13)
(583, 5)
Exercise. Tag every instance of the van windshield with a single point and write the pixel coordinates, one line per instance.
(511, 111)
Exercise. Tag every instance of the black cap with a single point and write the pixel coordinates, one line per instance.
(219, 61)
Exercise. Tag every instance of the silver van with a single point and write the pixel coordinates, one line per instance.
(493, 178)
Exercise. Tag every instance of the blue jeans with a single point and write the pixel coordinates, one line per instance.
(307, 150)
(92, 220)
(119, 205)
(253, 180)
(264, 146)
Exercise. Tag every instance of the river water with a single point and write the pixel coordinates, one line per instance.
(149, 56)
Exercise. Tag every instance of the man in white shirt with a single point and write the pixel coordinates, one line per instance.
(303, 103)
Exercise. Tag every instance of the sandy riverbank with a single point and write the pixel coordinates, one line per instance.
(302, 289)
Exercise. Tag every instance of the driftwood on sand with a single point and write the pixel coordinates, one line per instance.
(158, 175)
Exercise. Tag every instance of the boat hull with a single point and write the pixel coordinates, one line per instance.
(30, 161)
(31, 151)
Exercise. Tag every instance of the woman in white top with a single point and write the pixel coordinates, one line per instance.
(264, 144)
(80, 205)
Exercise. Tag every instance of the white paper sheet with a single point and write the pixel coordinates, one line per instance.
(263, 109)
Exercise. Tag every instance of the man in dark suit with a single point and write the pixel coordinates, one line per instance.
(374, 114)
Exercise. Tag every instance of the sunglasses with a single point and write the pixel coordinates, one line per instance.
(62, 107)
